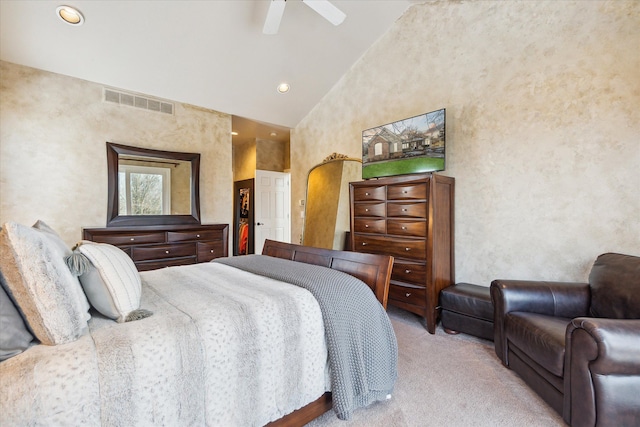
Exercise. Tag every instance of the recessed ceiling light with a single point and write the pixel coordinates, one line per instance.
(70, 15)
(234, 133)
(283, 88)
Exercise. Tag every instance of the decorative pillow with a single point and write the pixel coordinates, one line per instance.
(112, 282)
(64, 251)
(41, 285)
(51, 233)
(14, 335)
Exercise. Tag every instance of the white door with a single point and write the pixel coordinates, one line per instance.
(272, 208)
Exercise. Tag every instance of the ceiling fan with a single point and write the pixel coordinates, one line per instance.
(323, 7)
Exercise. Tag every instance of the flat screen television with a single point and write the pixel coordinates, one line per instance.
(412, 145)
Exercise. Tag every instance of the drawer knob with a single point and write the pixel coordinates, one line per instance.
(407, 249)
(405, 191)
(407, 271)
(404, 209)
(211, 250)
(404, 228)
(366, 226)
(132, 239)
(364, 243)
(198, 236)
(366, 210)
(408, 294)
(166, 252)
(366, 194)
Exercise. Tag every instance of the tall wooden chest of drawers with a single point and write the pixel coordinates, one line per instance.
(163, 246)
(411, 218)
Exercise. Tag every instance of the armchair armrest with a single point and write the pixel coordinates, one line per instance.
(602, 372)
(559, 299)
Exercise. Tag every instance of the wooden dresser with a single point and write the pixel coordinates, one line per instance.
(411, 218)
(163, 246)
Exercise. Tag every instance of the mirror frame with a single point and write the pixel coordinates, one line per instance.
(116, 220)
(333, 157)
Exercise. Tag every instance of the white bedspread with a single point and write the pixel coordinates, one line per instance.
(224, 347)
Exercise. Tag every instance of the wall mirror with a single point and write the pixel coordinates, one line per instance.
(326, 218)
(152, 187)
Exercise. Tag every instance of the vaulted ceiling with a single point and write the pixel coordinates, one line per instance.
(207, 53)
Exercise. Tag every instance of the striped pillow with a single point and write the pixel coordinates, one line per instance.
(112, 282)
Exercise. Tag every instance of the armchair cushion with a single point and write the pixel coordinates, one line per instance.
(540, 337)
(615, 287)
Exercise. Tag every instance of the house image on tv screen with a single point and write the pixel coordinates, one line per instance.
(412, 145)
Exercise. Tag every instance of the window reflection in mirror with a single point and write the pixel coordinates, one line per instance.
(144, 190)
(148, 186)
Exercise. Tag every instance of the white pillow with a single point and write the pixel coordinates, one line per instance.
(112, 282)
(64, 251)
(41, 284)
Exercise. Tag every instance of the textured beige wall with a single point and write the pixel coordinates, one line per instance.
(53, 165)
(244, 161)
(270, 155)
(259, 154)
(543, 125)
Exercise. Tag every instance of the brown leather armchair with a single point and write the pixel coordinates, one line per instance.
(576, 344)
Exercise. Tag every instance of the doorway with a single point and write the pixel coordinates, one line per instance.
(243, 224)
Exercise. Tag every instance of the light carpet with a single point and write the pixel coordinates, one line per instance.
(449, 380)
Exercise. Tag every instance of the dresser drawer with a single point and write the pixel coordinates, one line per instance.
(210, 250)
(402, 248)
(181, 236)
(155, 264)
(369, 209)
(370, 244)
(407, 294)
(126, 250)
(401, 227)
(143, 253)
(365, 225)
(405, 248)
(407, 271)
(407, 192)
(369, 193)
(129, 238)
(408, 210)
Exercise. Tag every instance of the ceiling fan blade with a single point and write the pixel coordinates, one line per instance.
(274, 16)
(327, 10)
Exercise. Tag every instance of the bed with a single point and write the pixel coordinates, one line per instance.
(230, 342)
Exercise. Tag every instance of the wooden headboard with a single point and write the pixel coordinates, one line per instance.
(374, 270)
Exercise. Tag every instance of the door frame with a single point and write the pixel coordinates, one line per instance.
(247, 184)
(259, 174)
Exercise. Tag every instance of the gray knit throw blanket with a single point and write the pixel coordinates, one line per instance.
(363, 351)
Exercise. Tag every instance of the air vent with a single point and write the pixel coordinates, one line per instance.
(137, 101)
